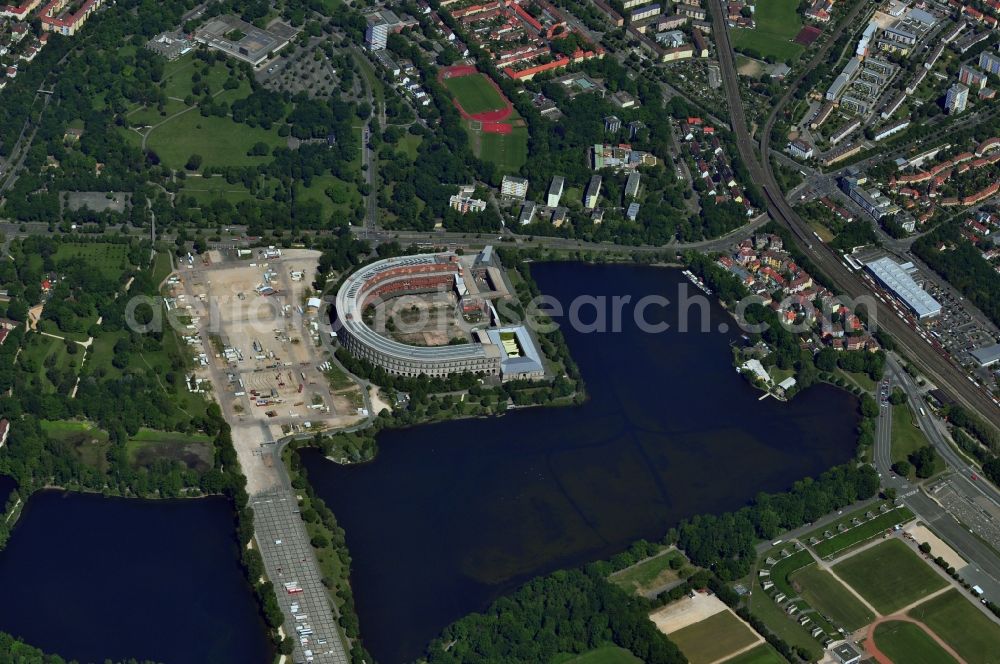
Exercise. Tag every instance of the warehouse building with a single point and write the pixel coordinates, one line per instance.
(896, 278)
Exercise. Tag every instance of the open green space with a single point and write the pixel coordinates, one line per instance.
(192, 449)
(50, 364)
(219, 141)
(783, 625)
(906, 437)
(88, 442)
(859, 534)
(889, 575)
(178, 74)
(651, 573)
(209, 190)
(713, 638)
(335, 195)
(142, 116)
(604, 655)
(962, 626)
(906, 642)
(475, 93)
(507, 151)
(762, 654)
(109, 259)
(826, 594)
(783, 569)
(778, 23)
(338, 378)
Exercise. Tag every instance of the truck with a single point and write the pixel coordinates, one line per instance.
(977, 591)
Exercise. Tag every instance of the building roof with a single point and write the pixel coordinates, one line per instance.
(525, 359)
(897, 278)
(987, 355)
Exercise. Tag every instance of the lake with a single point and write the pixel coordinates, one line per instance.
(89, 578)
(450, 516)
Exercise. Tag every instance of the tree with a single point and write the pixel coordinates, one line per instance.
(902, 468)
(193, 162)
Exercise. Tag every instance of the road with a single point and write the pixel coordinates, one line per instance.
(945, 374)
(984, 568)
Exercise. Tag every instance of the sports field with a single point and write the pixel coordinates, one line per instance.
(763, 654)
(827, 594)
(961, 625)
(889, 576)
(507, 151)
(713, 638)
(778, 23)
(906, 642)
(475, 93)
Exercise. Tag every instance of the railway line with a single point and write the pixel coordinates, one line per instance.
(952, 379)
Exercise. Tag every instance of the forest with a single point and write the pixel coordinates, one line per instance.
(961, 264)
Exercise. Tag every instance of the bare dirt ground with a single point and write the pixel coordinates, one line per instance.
(938, 547)
(686, 611)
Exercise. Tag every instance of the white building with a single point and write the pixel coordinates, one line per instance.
(555, 191)
(956, 99)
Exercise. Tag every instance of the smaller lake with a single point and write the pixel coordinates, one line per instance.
(90, 578)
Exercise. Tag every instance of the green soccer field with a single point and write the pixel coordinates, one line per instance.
(827, 594)
(507, 151)
(475, 93)
(778, 23)
(889, 576)
(906, 642)
(961, 625)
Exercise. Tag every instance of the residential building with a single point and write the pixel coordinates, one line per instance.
(527, 213)
(956, 99)
(697, 13)
(975, 79)
(612, 124)
(632, 185)
(645, 11)
(889, 130)
(555, 191)
(593, 192)
(514, 187)
(54, 20)
(990, 62)
(632, 212)
(380, 24)
(800, 149)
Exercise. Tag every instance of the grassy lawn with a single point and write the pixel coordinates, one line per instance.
(142, 116)
(860, 534)
(961, 625)
(507, 151)
(604, 655)
(177, 75)
(42, 353)
(161, 267)
(862, 380)
(109, 259)
(220, 141)
(338, 378)
(650, 573)
(208, 190)
(828, 595)
(784, 568)
(906, 437)
(409, 144)
(778, 23)
(713, 638)
(784, 625)
(475, 93)
(762, 654)
(889, 576)
(335, 195)
(906, 642)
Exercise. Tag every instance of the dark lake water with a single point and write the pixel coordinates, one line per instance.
(89, 578)
(450, 516)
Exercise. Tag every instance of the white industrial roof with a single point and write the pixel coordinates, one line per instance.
(897, 278)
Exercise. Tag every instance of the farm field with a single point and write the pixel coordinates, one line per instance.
(863, 533)
(778, 23)
(889, 576)
(906, 642)
(961, 625)
(762, 654)
(220, 141)
(828, 595)
(475, 93)
(714, 637)
(603, 655)
(650, 573)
